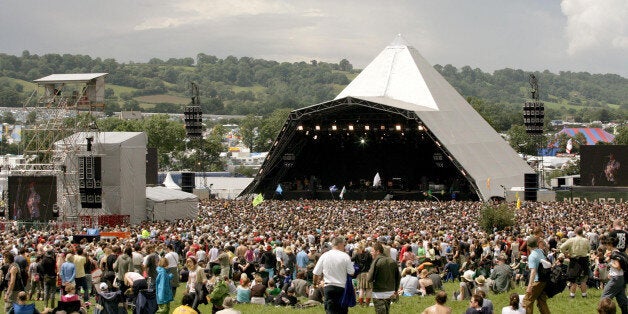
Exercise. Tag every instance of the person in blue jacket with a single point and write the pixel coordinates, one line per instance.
(163, 287)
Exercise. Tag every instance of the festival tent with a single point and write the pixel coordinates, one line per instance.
(593, 135)
(169, 183)
(400, 83)
(167, 204)
(123, 170)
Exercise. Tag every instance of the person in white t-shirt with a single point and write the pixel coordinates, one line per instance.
(334, 265)
(514, 306)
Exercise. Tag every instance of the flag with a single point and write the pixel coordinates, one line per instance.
(259, 198)
(518, 200)
(279, 190)
(488, 183)
(333, 189)
(569, 146)
(342, 192)
(377, 181)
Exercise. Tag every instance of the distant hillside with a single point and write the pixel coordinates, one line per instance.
(256, 86)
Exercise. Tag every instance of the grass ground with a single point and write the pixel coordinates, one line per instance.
(560, 304)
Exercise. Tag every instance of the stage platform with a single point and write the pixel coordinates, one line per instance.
(415, 195)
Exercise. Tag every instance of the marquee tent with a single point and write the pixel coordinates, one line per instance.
(398, 87)
(167, 204)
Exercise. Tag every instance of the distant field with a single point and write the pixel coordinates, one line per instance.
(28, 86)
(163, 98)
(255, 88)
(117, 89)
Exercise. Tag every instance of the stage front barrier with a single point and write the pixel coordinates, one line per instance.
(105, 220)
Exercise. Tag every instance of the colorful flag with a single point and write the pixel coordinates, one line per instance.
(279, 190)
(333, 189)
(342, 192)
(488, 183)
(259, 198)
(518, 200)
(377, 181)
(569, 146)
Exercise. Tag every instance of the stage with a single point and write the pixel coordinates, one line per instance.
(366, 194)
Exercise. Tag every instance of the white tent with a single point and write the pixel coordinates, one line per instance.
(123, 169)
(169, 183)
(167, 204)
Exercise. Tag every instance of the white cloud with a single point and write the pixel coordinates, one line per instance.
(596, 24)
(197, 11)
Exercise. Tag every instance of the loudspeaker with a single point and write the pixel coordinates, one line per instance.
(90, 181)
(55, 211)
(193, 119)
(188, 181)
(533, 116)
(531, 186)
(152, 166)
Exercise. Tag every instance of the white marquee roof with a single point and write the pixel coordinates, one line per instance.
(400, 77)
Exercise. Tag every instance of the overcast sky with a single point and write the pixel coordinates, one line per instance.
(570, 35)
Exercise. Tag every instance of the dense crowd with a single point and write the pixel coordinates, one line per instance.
(236, 252)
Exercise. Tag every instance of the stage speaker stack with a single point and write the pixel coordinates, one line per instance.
(533, 116)
(193, 118)
(188, 182)
(90, 181)
(530, 186)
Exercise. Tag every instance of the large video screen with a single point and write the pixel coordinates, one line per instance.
(604, 165)
(31, 198)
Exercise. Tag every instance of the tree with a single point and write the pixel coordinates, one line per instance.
(622, 135)
(270, 128)
(31, 117)
(345, 65)
(7, 117)
(521, 141)
(496, 217)
(249, 131)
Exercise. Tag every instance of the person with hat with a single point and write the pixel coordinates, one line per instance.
(466, 286)
(480, 284)
(426, 285)
(500, 278)
(269, 261)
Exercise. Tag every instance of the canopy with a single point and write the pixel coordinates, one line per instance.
(167, 204)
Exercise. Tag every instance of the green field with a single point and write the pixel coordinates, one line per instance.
(162, 98)
(560, 304)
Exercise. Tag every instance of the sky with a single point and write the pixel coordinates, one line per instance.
(533, 35)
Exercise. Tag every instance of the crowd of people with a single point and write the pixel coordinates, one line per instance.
(305, 253)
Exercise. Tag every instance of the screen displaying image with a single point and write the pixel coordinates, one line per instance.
(604, 165)
(31, 198)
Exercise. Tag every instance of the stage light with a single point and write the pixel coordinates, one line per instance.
(334, 127)
(437, 143)
(350, 127)
(300, 128)
(398, 127)
(421, 127)
(307, 132)
(362, 141)
(367, 128)
(315, 137)
(318, 128)
(382, 127)
(463, 173)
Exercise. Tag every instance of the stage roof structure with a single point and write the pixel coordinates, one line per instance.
(399, 83)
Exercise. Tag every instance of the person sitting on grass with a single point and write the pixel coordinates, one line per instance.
(22, 308)
(439, 307)
(186, 305)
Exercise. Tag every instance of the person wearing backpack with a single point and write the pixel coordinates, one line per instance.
(535, 290)
(616, 286)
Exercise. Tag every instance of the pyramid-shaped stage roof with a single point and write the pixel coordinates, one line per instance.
(400, 80)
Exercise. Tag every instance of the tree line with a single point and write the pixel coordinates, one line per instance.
(246, 85)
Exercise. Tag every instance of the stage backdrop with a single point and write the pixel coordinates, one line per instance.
(31, 197)
(604, 165)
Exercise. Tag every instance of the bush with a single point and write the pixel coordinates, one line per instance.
(496, 217)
